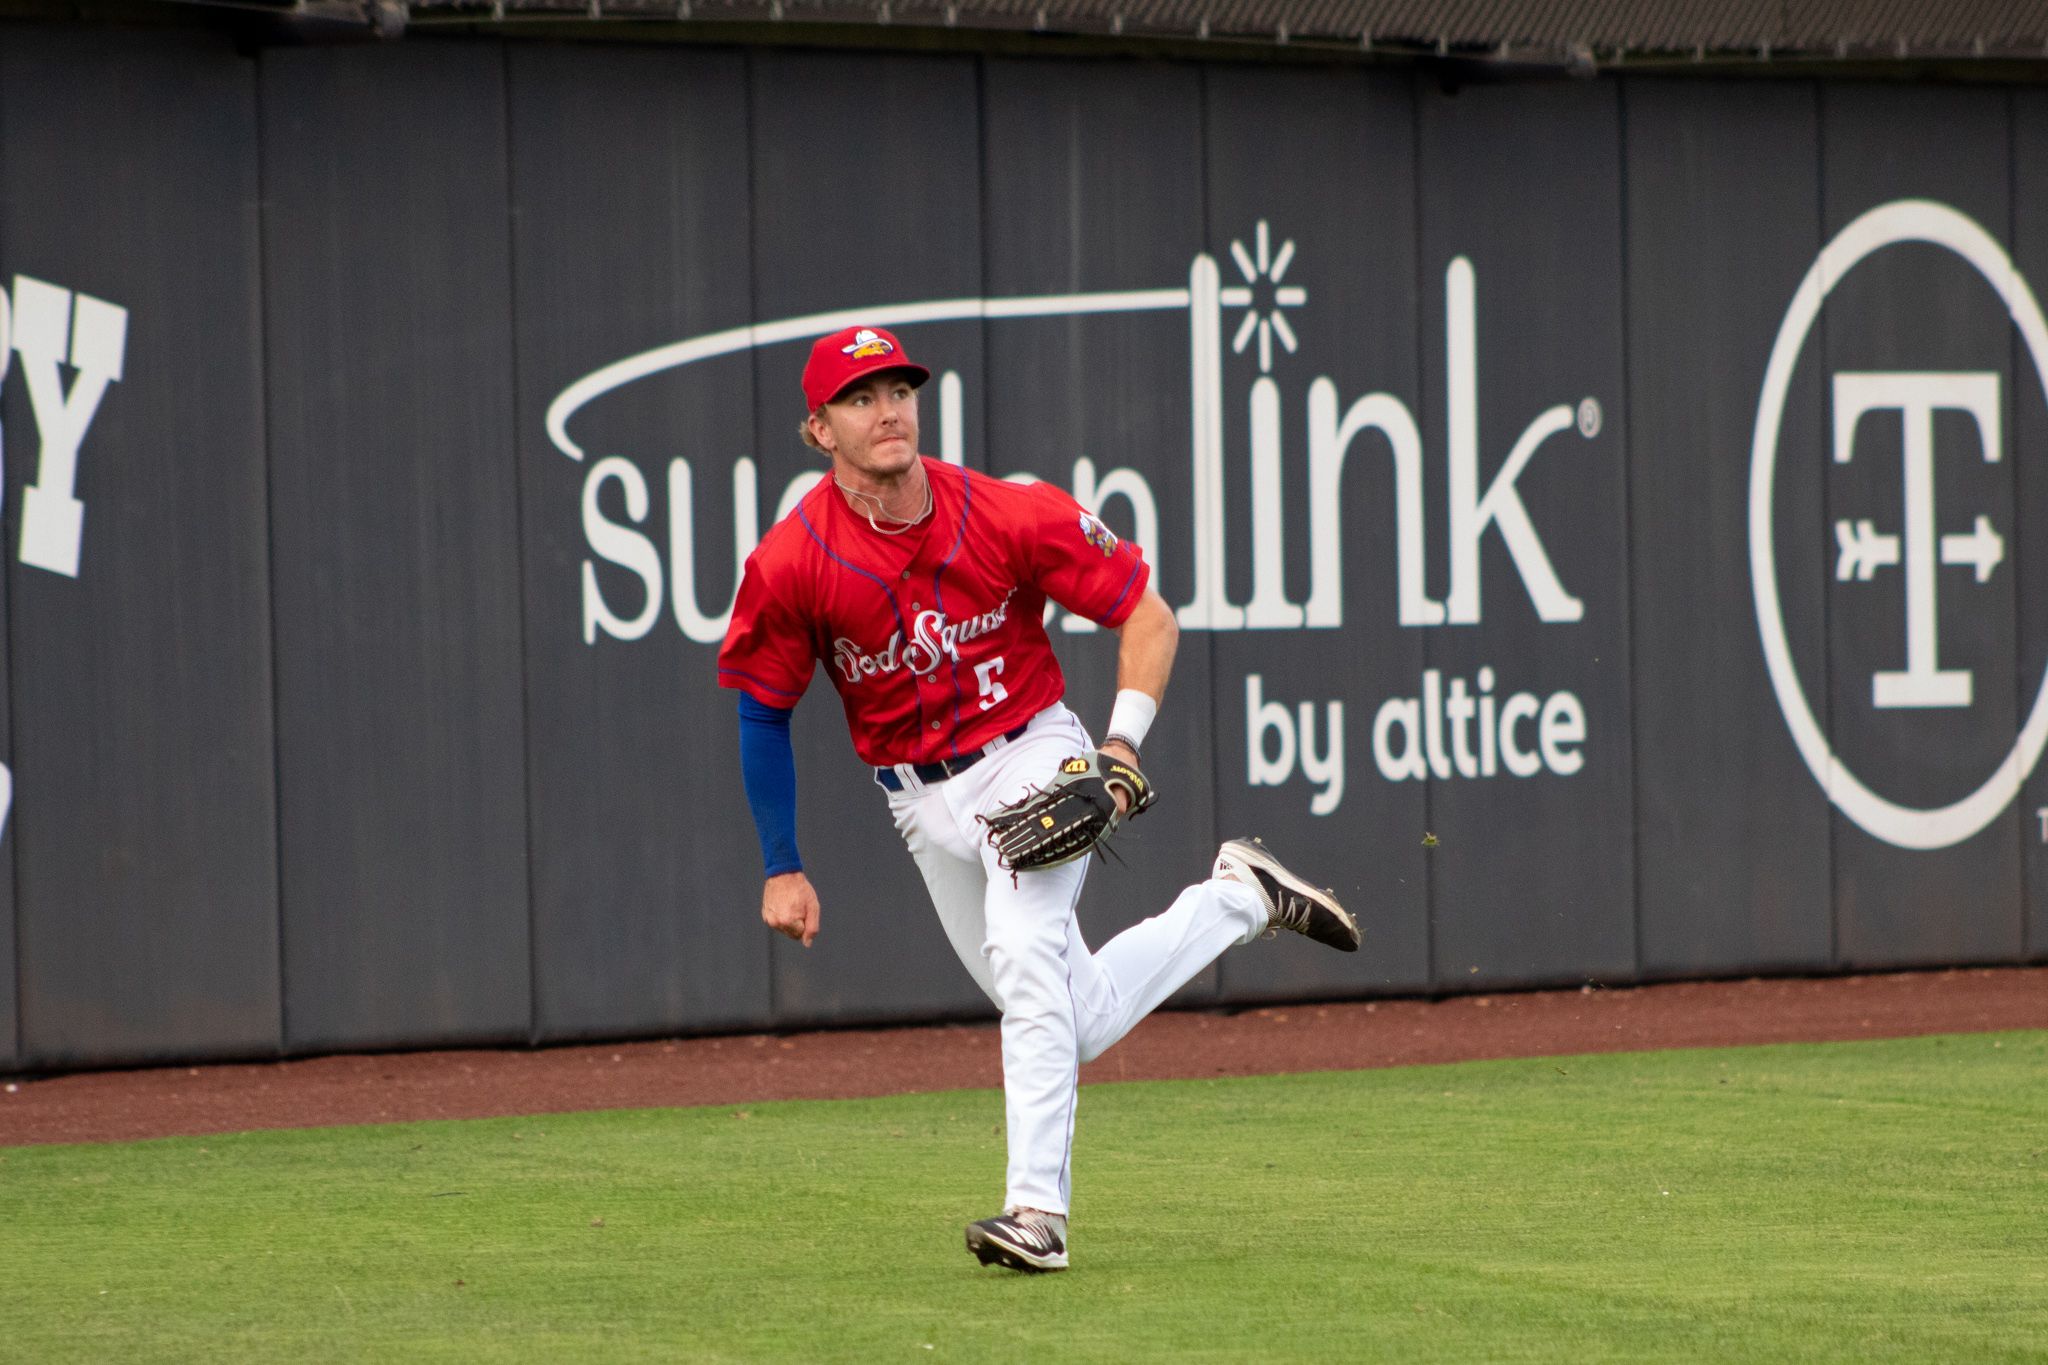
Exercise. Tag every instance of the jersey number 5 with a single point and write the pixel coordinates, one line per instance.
(991, 690)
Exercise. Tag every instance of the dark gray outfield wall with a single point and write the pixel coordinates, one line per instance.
(359, 668)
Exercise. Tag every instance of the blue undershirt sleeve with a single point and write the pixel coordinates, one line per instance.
(768, 768)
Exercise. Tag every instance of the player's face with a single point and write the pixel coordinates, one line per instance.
(871, 427)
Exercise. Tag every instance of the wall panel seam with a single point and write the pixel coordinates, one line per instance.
(1416, 193)
(1827, 653)
(2014, 346)
(1628, 537)
(257, 67)
(511, 221)
(13, 816)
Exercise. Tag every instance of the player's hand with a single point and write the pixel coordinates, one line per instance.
(1126, 753)
(790, 907)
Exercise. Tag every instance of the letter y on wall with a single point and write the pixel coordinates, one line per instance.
(50, 325)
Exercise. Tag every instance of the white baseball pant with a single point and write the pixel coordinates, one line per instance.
(1062, 1004)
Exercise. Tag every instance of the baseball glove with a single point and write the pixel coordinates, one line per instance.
(1070, 816)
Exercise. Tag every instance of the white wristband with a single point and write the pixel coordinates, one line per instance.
(1131, 717)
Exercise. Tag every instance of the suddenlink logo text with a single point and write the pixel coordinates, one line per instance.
(1475, 727)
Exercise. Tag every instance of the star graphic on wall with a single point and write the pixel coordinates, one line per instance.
(1257, 264)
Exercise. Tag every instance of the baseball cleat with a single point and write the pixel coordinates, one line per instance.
(1291, 903)
(1022, 1239)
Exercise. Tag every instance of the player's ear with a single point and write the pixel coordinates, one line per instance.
(820, 431)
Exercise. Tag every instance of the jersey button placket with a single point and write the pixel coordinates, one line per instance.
(929, 688)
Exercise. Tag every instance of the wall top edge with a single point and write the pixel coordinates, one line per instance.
(1990, 40)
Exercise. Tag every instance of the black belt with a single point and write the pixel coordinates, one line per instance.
(929, 773)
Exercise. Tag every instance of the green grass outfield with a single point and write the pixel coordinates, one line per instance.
(1866, 1201)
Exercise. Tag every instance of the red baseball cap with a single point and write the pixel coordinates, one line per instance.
(854, 353)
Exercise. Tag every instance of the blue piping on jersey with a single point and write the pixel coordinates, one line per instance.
(939, 600)
(1126, 592)
(895, 607)
(765, 687)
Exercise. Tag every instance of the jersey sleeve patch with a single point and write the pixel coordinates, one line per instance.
(1080, 563)
(1098, 535)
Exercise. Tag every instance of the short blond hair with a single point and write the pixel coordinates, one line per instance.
(803, 429)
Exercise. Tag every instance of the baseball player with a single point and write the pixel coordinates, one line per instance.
(921, 587)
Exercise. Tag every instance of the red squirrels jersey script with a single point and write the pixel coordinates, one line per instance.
(935, 637)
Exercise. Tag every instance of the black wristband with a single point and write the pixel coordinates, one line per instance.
(1124, 740)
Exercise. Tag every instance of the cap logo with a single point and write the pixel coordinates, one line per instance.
(865, 343)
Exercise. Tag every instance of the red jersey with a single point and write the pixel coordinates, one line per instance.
(935, 638)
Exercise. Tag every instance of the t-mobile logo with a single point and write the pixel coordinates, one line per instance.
(1916, 397)
(1923, 542)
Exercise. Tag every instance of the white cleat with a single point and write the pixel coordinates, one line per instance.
(1291, 903)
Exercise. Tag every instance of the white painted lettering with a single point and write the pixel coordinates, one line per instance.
(1211, 608)
(696, 624)
(1559, 730)
(1261, 716)
(621, 545)
(1472, 513)
(1916, 398)
(1269, 608)
(1489, 747)
(1458, 710)
(1433, 723)
(1403, 714)
(1455, 728)
(1323, 770)
(952, 426)
(1521, 762)
(49, 326)
(1328, 441)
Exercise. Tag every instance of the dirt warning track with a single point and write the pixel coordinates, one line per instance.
(112, 1106)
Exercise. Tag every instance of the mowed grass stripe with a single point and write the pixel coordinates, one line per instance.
(1867, 1201)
